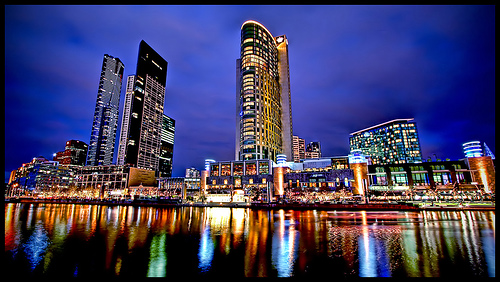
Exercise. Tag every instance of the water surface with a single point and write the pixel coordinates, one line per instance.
(76, 240)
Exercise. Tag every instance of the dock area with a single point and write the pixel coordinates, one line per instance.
(394, 206)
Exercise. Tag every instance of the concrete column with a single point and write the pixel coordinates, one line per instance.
(483, 172)
(279, 181)
(360, 172)
(203, 182)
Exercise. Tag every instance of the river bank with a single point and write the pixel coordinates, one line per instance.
(403, 206)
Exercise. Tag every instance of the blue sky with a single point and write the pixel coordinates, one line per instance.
(351, 67)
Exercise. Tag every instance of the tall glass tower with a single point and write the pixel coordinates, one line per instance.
(263, 104)
(142, 138)
(103, 136)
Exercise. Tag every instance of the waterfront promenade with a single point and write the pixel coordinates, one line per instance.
(383, 206)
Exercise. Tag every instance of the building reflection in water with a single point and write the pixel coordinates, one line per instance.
(87, 240)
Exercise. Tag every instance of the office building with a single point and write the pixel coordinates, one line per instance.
(103, 136)
(313, 150)
(167, 147)
(192, 173)
(42, 176)
(142, 138)
(392, 142)
(75, 153)
(299, 149)
(127, 106)
(263, 103)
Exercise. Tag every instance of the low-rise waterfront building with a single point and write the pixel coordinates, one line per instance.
(41, 176)
(102, 181)
(337, 178)
(264, 180)
(44, 178)
(322, 179)
(227, 181)
(470, 176)
(187, 188)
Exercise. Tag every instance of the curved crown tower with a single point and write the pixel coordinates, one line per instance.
(263, 105)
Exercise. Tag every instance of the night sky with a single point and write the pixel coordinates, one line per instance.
(351, 67)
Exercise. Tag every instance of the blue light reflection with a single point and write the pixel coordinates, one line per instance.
(206, 251)
(36, 245)
(284, 246)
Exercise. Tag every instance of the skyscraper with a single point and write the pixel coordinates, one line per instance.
(263, 103)
(142, 138)
(391, 142)
(167, 147)
(127, 107)
(103, 136)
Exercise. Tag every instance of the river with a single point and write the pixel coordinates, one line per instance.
(78, 240)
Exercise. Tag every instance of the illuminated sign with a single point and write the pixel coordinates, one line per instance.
(472, 149)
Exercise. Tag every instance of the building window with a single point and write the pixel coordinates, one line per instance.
(400, 179)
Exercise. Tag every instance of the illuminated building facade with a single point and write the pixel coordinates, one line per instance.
(42, 176)
(127, 107)
(357, 156)
(299, 149)
(75, 153)
(475, 149)
(264, 180)
(313, 150)
(251, 179)
(192, 173)
(102, 181)
(440, 176)
(167, 147)
(483, 172)
(472, 149)
(103, 136)
(143, 136)
(263, 103)
(179, 187)
(392, 142)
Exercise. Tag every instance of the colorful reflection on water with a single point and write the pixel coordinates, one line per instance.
(69, 240)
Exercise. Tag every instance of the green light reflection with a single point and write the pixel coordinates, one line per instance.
(157, 257)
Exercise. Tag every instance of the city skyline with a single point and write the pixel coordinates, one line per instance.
(351, 67)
